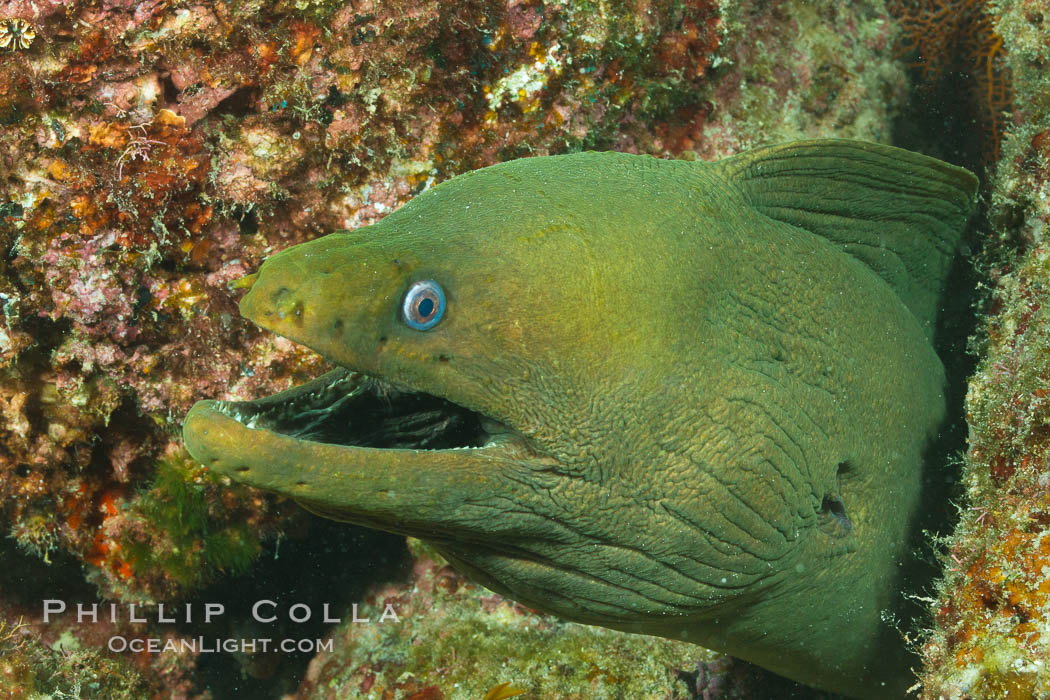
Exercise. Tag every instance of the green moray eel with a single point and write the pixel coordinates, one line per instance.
(675, 398)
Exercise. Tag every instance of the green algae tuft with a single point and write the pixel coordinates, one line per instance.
(177, 533)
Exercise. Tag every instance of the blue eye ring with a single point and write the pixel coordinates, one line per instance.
(424, 305)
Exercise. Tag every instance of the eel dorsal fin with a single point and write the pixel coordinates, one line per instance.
(898, 212)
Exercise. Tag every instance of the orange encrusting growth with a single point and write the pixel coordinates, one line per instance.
(992, 615)
(100, 549)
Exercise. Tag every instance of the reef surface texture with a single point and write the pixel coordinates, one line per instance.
(152, 152)
(991, 637)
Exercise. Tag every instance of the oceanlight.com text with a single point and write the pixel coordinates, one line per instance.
(211, 645)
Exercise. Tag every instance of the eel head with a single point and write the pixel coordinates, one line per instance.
(491, 430)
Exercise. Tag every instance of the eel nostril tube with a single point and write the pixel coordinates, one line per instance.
(245, 282)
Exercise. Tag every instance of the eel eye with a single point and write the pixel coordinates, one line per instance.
(424, 305)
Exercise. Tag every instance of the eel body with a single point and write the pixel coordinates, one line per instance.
(674, 398)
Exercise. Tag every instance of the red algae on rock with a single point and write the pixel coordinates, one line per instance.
(992, 616)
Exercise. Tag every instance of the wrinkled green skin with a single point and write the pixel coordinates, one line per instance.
(687, 376)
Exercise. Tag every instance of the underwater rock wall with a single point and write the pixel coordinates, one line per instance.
(154, 152)
(992, 614)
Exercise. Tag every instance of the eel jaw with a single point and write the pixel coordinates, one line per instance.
(357, 448)
(343, 407)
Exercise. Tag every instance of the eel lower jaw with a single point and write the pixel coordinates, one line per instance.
(345, 438)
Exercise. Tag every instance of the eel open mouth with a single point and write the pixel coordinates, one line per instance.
(357, 448)
(346, 408)
(348, 445)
